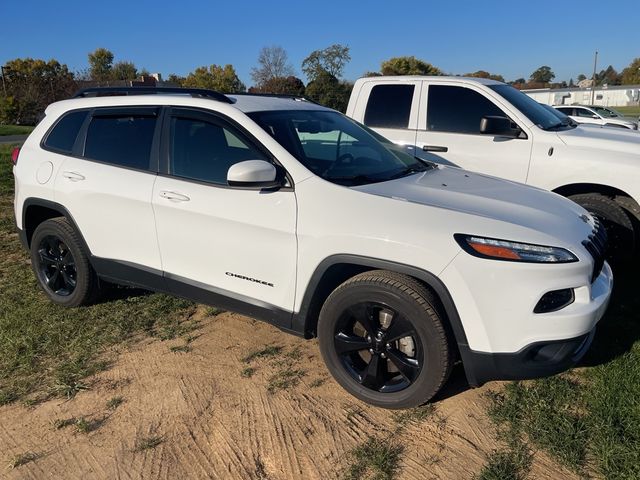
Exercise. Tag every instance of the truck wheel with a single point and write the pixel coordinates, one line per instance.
(383, 340)
(620, 232)
(61, 265)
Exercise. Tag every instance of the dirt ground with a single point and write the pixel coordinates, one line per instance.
(211, 417)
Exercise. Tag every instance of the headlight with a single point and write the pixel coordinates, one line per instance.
(513, 251)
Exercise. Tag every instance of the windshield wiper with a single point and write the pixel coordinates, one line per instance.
(417, 168)
(356, 179)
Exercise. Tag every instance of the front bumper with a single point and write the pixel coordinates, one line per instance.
(549, 356)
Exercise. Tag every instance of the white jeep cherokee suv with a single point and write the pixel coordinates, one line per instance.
(489, 127)
(290, 212)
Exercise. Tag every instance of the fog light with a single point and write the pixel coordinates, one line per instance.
(554, 301)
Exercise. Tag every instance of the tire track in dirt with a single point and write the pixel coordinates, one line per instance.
(215, 423)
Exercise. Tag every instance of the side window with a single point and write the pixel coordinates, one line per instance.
(566, 111)
(583, 112)
(457, 109)
(204, 150)
(389, 106)
(121, 139)
(65, 132)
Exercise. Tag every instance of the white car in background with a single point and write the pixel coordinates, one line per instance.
(597, 115)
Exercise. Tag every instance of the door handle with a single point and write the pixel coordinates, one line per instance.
(73, 176)
(174, 196)
(434, 148)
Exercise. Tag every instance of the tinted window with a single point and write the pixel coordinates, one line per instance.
(535, 112)
(64, 134)
(457, 109)
(123, 140)
(583, 112)
(204, 150)
(389, 106)
(566, 111)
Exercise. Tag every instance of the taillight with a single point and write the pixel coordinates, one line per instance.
(14, 155)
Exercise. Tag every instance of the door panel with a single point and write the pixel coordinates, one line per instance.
(452, 135)
(242, 241)
(111, 204)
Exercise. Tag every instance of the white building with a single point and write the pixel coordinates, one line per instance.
(614, 96)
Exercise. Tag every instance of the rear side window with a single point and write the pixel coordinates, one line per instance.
(566, 111)
(65, 132)
(123, 140)
(389, 106)
(205, 150)
(457, 109)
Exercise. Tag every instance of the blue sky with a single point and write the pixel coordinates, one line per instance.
(457, 36)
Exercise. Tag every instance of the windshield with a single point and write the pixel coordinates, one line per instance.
(607, 112)
(535, 112)
(337, 148)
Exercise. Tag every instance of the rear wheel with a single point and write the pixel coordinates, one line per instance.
(61, 264)
(383, 340)
(617, 222)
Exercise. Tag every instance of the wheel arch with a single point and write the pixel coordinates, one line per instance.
(37, 210)
(336, 269)
(622, 198)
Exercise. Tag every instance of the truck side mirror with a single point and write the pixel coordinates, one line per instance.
(498, 126)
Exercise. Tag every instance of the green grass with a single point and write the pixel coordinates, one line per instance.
(269, 351)
(633, 111)
(376, 459)
(15, 129)
(114, 402)
(588, 419)
(284, 379)
(414, 415)
(23, 459)
(47, 350)
(147, 443)
(511, 464)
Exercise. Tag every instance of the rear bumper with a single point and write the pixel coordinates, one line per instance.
(540, 359)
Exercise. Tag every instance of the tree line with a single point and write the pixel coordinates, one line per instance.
(29, 85)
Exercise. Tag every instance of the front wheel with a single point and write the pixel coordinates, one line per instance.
(383, 340)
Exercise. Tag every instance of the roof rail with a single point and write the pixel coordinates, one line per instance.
(122, 91)
(276, 95)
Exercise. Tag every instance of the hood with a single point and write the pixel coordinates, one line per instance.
(482, 195)
(607, 138)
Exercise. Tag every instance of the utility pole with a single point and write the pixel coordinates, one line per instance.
(4, 85)
(593, 85)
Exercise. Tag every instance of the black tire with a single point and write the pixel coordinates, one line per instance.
(402, 379)
(617, 222)
(61, 264)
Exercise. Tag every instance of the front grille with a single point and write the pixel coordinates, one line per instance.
(596, 245)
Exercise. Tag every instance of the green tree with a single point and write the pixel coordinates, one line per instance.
(273, 62)
(100, 64)
(124, 71)
(581, 77)
(282, 85)
(327, 90)
(518, 81)
(543, 74)
(608, 76)
(176, 80)
(485, 74)
(31, 85)
(631, 74)
(408, 66)
(215, 77)
(331, 60)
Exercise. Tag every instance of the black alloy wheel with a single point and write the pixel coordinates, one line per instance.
(57, 266)
(378, 347)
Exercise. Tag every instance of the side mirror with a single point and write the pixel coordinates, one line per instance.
(595, 117)
(253, 174)
(498, 126)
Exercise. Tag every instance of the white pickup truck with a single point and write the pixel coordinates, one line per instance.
(491, 127)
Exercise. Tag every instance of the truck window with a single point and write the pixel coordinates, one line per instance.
(389, 106)
(457, 109)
